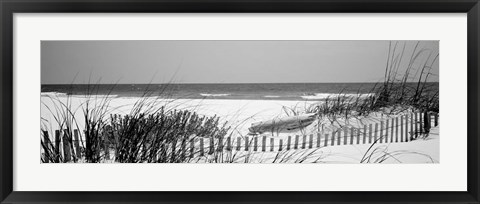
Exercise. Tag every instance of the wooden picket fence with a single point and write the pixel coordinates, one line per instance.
(403, 128)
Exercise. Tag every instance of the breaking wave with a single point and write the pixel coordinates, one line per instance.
(323, 96)
(214, 95)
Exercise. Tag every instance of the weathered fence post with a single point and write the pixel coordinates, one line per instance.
(78, 151)
(304, 142)
(391, 130)
(421, 123)
(220, 144)
(358, 132)
(406, 129)
(280, 145)
(229, 144)
(326, 139)
(333, 138)
(370, 133)
(272, 144)
(364, 134)
(396, 129)
(107, 150)
(192, 147)
(201, 146)
(311, 142)
(246, 144)
(381, 132)
(296, 142)
(183, 148)
(46, 142)
(352, 129)
(412, 125)
(386, 131)
(319, 139)
(401, 128)
(239, 145)
(255, 143)
(57, 146)
(339, 138)
(264, 143)
(212, 146)
(416, 125)
(289, 141)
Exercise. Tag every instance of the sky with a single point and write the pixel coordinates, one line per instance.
(137, 62)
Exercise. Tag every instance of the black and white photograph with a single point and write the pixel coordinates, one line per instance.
(260, 101)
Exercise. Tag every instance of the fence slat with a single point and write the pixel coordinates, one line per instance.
(405, 137)
(310, 143)
(57, 146)
(345, 136)
(296, 142)
(212, 146)
(220, 145)
(381, 132)
(289, 141)
(364, 134)
(255, 143)
(333, 138)
(201, 147)
(386, 131)
(352, 129)
(229, 144)
(183, 148)
(67, 156)
(76, 142)
(239, 143)
(421, 123)
(436, 119)
(391, 130)
(304, 141)
(370, 133)
(401, 128)
(192, 147)
(357, 133)
(272, 144)
(264, 143)
(412, 125)
(375, 138)
(246, 144)
(319, 139)
(416, 125)
(326, 139)
(46, 142)
(280, 148)
(339, 137)
(396, 129)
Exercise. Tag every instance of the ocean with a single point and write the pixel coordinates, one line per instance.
(253, 91)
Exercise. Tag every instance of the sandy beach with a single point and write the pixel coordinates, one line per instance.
(240, 114)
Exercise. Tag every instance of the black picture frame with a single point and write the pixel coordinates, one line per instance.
(9, 7)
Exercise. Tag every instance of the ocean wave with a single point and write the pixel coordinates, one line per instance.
(271, 96)
(214, 95)
(52, 94)
(95, 96)
(320, 96)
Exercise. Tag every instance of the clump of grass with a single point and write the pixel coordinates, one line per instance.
(142, 137)
(396, 93)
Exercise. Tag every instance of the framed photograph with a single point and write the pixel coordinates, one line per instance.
(239, 101)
